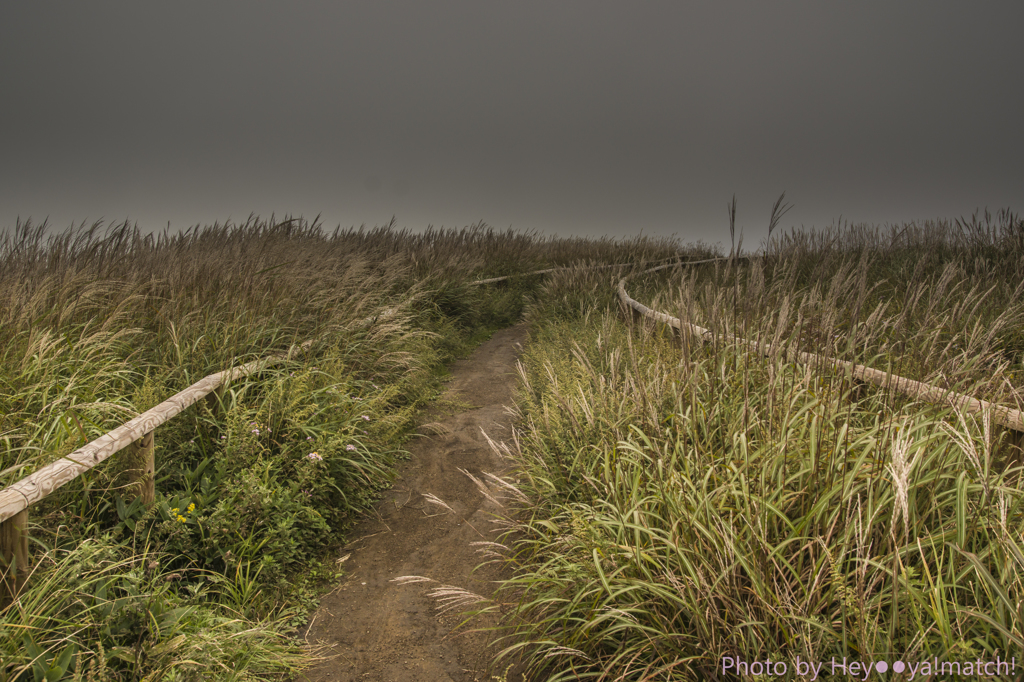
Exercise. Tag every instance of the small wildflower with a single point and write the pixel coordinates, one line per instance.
(191, 507)
(223, 437)
(309, 437)
(315, 457)
(256, 431)
(350, 448)
(175, 510)
(366, 417)
(192, 441)
(181, 518)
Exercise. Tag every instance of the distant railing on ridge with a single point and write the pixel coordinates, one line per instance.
(567, 267)
(137, 433)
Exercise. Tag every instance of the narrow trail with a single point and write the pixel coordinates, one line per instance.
(381, 630)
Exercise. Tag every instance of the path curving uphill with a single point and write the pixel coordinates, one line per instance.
(378, 629)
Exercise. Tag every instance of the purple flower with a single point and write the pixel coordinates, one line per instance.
(350, 448)
(366, 417)
(315, 457)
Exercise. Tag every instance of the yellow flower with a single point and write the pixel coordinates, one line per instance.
(182, 519)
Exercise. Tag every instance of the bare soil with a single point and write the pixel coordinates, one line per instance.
(377, 629)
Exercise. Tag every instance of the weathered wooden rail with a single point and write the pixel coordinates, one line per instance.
(1002, 415)
(136, 434)
(548, 271)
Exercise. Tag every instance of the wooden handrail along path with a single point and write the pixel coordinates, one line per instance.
(136, 433)
(1005, 416)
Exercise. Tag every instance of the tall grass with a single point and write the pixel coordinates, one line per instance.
(97, 324)
(88, 317)
(678, 501)
(691, 501)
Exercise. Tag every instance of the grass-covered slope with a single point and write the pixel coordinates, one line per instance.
(680, 501)
(98, 325)
(686, 503)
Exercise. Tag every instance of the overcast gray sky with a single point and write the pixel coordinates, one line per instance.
(564, 117)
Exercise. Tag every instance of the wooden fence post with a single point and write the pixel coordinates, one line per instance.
(215, 399)
(858, 388)
(14, 555)
(139, 462)
(1012, 446)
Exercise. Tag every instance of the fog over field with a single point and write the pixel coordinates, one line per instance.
(584, 118)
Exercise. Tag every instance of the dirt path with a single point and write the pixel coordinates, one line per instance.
(386, 631)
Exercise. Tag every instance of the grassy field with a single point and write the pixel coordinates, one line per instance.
(686, 505)
(99, 324)
(677, 501)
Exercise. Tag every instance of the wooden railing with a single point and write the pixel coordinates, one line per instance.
(1005, 416)
(137, 434)
(492, 280)
(548, 271)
